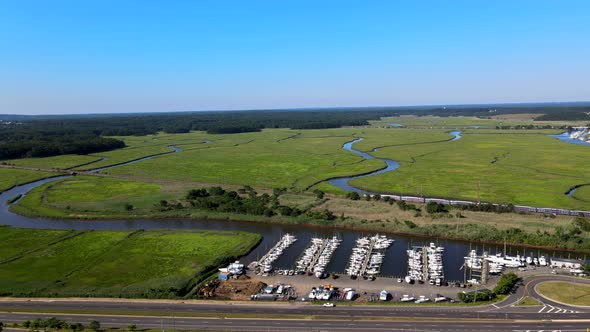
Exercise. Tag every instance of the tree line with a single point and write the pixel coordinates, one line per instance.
(42, 136)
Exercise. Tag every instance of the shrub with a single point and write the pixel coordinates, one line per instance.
(410, 224)
(353, 196)
(506, 283)
(433, 207)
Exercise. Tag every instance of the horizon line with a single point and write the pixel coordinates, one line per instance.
(500, 104)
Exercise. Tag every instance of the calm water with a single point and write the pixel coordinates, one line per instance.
(566, 138)
(343, 181)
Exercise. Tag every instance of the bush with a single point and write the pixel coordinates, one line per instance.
(319, 194)
(433, 207)
(476, 296)
(410, 224)
(353, 195)
(506, 283)
(94, 325)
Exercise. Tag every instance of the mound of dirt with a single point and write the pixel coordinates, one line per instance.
(239, 289)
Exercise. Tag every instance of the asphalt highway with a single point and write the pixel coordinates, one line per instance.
(503, 316)
(209, 324)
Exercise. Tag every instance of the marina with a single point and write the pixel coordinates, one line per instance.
(367, 256)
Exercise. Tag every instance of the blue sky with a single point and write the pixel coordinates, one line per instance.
(143, 56)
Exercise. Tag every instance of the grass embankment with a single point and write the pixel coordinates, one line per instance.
(154, 264)
(528, 301)
(60, 162)
(566, 292)
(10, 177)
(496, 166)
(564, 232)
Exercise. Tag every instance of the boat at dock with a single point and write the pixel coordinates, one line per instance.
(367, 256)
(264, 265)
(316, 256)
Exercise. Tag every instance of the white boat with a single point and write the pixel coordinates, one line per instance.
(312, 294)
(542, 261)
(407, 298)
(422, 299)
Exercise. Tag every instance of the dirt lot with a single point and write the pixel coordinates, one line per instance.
(232, 289)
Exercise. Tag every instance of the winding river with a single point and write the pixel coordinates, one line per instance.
(395, 263)
(391, 165)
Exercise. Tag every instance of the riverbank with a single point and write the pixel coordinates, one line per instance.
(81, 199)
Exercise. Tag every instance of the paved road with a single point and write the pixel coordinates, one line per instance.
(184, 323)
(507, 316)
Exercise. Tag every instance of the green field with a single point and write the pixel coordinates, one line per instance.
(271, 158)
(10, 177)
(566, 292)
(163, 264)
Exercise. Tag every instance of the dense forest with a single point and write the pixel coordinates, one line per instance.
(41, 136)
